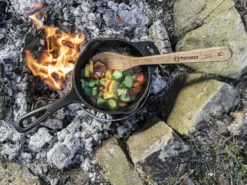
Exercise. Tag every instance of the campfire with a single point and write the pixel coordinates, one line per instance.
(62, 50)
(40, 44)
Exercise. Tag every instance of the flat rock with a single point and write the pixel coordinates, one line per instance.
(143, 144)
(118, 170)
(198, 99)
(158, 152)
(221, 26)
(196, 13)
(14, 174)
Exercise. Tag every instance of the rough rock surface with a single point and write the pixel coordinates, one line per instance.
(205, 24)
(156, 148)
(196, 13)
(221, 26)
(118, 170)
(14, 174)
(145, 143)
(198, 99)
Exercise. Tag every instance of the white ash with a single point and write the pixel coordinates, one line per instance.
(54, 124)
(39, 139)
(27, 157)
(21, 104)
(158, 84)
(11, 140)
(160, 36)
(60, 156)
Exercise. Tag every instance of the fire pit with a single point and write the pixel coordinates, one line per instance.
(39, 45)
(68, 137)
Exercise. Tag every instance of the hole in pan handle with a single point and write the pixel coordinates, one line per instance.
(24, 124)
(147, 47)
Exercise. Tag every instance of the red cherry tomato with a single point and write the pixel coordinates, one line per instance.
(112, 70)
(140, 78)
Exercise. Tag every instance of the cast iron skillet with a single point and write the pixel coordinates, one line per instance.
(77, 94)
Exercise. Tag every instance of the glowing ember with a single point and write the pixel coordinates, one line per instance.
(59, 57)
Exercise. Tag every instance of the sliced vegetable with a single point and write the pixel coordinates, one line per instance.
(101, 101)
(107, 85)
(122, 105)
(90, 66)
(134, 76)
(113, 87)
(125, 53)
(94, 91)
(102, 81)
(87, 91)
(125, 98)
(122, 91)
(108, 74)
(137, 87)
(128, 72)
(140, 78)
(94, 76)
(92, 83)
(112, 103)
(117, 75)
(87, 73)
(108, 95)
(128, 81)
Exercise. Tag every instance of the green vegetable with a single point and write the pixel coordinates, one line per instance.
(122, 91)
(125, 53)
(112, 103)
(92, 83)
(128, 72)
(125, 98)
(128, 81)
(117, 75)
(87, 90)
(102, 81)
(101, 101)
(94, 91)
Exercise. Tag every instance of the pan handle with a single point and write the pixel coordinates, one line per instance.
(44, 112)
(147, 48)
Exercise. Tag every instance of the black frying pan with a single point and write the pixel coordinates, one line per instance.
(77, 94)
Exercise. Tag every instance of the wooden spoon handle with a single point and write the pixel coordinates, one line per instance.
(200, 55)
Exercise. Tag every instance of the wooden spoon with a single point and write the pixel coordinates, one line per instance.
(123, 62)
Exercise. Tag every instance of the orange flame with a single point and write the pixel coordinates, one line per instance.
(59, 57)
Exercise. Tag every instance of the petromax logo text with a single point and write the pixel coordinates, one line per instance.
(180, 58)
